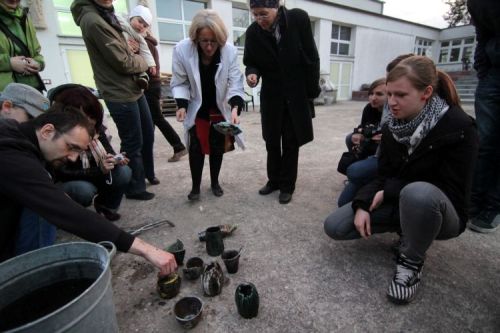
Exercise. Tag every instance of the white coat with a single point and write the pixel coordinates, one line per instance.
(186, 82)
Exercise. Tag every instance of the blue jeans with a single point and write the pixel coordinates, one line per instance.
(136, 132)
(486, 184)
(33, 232)
(358, 174)
(110, 196)
(424, 214)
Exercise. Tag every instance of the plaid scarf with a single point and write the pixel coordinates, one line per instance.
(411, 133)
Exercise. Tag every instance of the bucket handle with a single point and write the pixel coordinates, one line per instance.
(110, 247)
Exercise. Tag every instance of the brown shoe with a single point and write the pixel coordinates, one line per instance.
(177, 156)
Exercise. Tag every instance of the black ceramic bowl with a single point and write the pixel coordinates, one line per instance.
(194, 268)
(169, 286)
(188, 311)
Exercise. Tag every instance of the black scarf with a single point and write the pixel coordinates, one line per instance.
(108, 14)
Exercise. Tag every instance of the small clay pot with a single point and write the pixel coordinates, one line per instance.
(194, 268)
(169, 286)
(214, 242)
(188, 311)
(231, 260)
(212, 279)
(177, 249)
(247, 300)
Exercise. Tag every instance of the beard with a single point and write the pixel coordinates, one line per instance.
(58, 163)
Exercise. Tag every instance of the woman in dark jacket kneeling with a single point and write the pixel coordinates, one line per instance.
(425, 171)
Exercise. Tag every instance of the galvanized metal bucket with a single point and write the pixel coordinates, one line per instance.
(92, 311)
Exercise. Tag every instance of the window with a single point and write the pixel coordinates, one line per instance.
(241, 20)
(67, 26)
(423, 47)
(341, 40)
(174, 18)
(456, 50)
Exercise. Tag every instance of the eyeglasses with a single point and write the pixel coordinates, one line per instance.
(73, 147)
(260, 16)
(206, 42)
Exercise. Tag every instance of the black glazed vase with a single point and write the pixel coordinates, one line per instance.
(247, 300)
(214, 242)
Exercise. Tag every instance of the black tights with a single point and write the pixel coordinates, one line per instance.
(196, 161)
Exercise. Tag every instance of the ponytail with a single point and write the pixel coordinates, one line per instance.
(446, 89)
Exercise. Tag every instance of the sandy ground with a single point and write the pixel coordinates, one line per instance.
(306, 281)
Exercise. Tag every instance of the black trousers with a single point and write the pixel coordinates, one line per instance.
(153, 95)
(283, 158)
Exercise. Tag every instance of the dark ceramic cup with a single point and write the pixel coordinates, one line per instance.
(247, 300)
(194, 268)
(231, 260)
(169, 286)
(188, 311)
(214, 242)
(177, 249)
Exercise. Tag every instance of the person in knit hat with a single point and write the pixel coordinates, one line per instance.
(280, 49)
(140, 19)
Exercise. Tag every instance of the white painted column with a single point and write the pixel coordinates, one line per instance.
(323, 38)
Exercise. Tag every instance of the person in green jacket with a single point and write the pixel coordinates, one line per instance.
(114, 67)
(16, 65)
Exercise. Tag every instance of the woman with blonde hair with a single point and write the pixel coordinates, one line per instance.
(208, 87)
(425, 169)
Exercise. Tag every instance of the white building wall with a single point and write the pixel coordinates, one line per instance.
(376, 39)
(54, 70)
(374, 49)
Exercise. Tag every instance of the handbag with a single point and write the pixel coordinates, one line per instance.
(346, 160)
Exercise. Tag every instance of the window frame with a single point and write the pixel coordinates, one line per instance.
(423, 46)
(449, 47)
(66, 10)
(339, 41)
(240, 29)
(185, 24)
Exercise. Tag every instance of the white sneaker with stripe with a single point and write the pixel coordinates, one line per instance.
(406, 280)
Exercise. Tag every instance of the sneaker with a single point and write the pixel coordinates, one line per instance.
(177, 156)
(144, 196)
(406, 280)
(485, 222)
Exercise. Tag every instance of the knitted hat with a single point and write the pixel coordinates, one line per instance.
(264, 3)
(25, 97)
(142, 12)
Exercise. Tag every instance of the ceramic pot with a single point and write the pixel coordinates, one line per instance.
(194, 268)
(247, 300)
(212, 279)
(169, 286)
(213, 241)
(188, 311)
(231, 259)
(177, 249)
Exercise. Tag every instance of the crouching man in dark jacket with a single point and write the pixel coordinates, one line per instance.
(55, 137)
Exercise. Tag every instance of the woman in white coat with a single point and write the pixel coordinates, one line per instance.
(207, 85)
